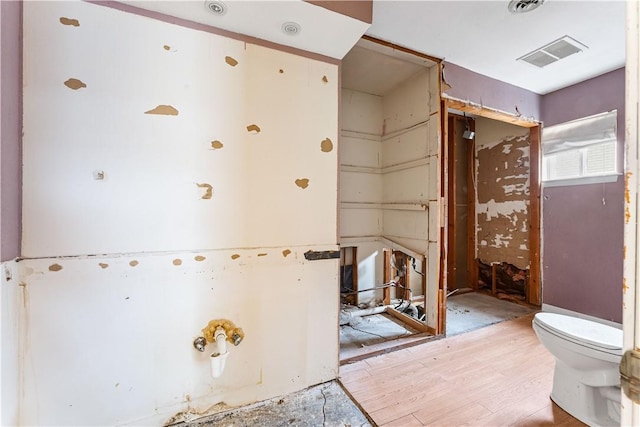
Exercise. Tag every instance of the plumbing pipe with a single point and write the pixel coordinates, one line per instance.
(220, 337)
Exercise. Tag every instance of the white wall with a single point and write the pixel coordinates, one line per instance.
(109, 338)
(361, 219)
(10, 321)
(411, 176)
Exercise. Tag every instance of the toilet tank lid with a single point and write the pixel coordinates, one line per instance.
(587, 331)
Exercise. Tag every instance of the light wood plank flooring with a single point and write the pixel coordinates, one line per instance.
(499, 375)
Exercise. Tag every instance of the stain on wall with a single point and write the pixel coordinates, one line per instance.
(75, 84)
(69, 21)
(286, 253)
(177, 261)
(229, 60)
(133, 263)
(166, 47)
(235, 256)
(55, 267)
(199, 258)
(208, 193)
(502, 191)
(163, 110)
(325, 79)
(103, 265)
(216, 145)
(326, 145)
(302, 183)
(253, 128)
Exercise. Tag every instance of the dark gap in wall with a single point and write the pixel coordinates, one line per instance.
(509, 279)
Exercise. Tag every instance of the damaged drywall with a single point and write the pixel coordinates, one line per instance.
(502, 190)
(75, 84)
(173, 250)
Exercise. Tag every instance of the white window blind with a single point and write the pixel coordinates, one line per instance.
(580, 149)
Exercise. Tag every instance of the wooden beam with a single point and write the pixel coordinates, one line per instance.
(442, 312)
(472, 263)
(494, 285)
(354, 271)
(489, 113)
(424, 284)
(451, 204)
(402, 49)
(444, 232)
(386, 277)
(534, 284)
(407, 282)
(404, 318)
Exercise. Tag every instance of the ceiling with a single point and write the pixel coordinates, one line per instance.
(322, 31)
(483, 36)
(480, 35)
(375, 69)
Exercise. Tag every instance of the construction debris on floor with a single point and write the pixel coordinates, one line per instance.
(362, 332)
(469, 311)
(322, 405)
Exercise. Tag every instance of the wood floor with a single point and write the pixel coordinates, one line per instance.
(499, 375)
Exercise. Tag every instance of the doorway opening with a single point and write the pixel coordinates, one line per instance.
(493, 215)
(389, 194)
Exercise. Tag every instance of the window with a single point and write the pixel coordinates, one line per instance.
(581, 151)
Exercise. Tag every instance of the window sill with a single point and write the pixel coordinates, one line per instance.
(582, 180)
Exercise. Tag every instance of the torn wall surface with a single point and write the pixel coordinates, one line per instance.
(502, 190)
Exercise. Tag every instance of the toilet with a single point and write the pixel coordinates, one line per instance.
(586, 379)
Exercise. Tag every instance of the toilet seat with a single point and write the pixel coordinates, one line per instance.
(583, 332)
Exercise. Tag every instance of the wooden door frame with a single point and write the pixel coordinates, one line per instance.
(533, 289)
(472, 276)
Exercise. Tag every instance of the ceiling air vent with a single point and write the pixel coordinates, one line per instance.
(522, 6)
(553, 52)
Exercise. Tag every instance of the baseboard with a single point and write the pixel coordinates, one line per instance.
(553, 309)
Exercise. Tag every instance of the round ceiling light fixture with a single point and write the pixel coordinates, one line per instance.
(216, 7)
(523, 6)
(291, 28)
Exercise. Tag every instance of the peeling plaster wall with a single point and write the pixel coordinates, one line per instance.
(502, 171)
(582, 259)
(171, 152)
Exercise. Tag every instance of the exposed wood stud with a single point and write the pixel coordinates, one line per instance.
(493, 279)
(386, 271)
(533, 289)
(488, 113)
(472, 263)
(451, 221)
(401, 48)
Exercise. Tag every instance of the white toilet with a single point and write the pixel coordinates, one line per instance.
(586, 380)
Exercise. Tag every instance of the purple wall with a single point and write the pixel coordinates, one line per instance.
(10, 129)
(583, 225)
(467, 85)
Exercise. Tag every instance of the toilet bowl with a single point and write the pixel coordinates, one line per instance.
(586, 379)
